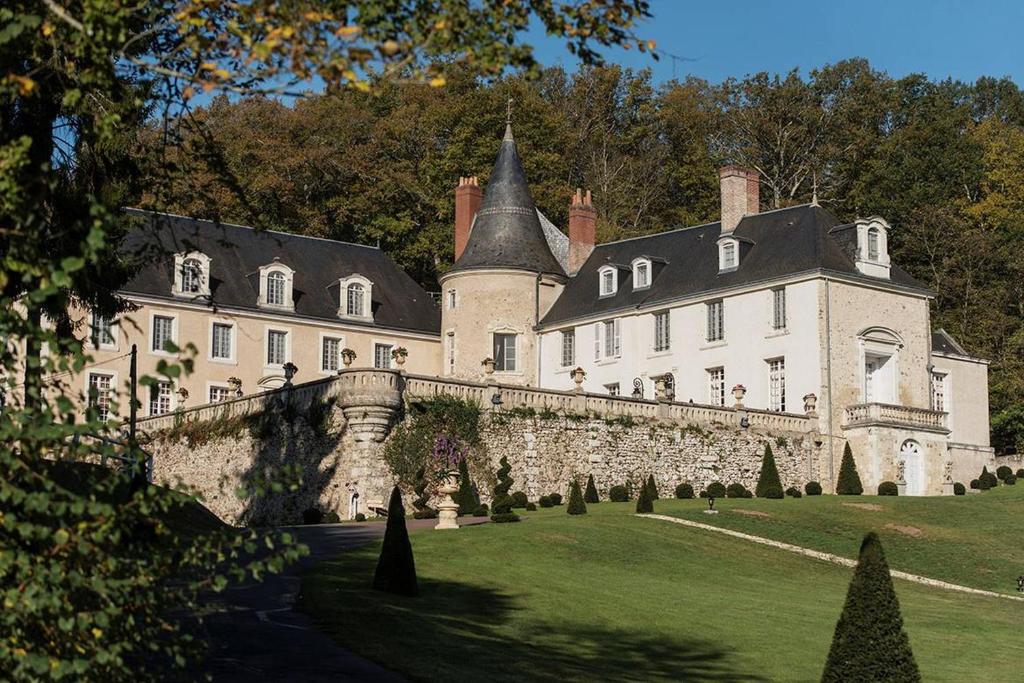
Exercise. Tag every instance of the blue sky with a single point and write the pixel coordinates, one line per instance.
(940, 38)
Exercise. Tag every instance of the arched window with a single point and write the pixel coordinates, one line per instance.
(354, 301)
(873, 244)
(191, 276)
(275, 288)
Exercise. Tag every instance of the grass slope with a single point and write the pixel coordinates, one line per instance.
(972, 540)
(610, 596)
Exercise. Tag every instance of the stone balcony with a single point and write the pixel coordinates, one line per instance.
(887, 414)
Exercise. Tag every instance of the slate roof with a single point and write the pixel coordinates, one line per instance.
(237, 252)
(785, 242)
(507, 232)
(943, 342)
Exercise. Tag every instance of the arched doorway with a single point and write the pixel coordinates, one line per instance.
(912, 466)
(353, 505)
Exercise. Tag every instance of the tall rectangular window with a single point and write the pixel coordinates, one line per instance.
(612, 338)
(382, 356)
(643, 276)
(597, 341)
(275, 288)
(777, 384)
(220, 344)
(277, 353)
(102, 331)
(102, 384)
(160, 398)
(330, 354)
(729, 255)
(163, 331)
(662, 337)
(779, 308)
(939, 391)
(451, 352)
(716, 386)
(870, 368)
(451, 299)
(716, 321)
(607, 282)
(219, 393)
(568, 348)
(505, 352)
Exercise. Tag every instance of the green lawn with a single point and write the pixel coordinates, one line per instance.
(974, 540)
(610, 596)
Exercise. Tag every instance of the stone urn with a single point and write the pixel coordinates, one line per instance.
(182, 396)
(347, 356)
(448, 509)
(738, 392)
(289, 373)
(235, 385)
(399, 355)
(488, 364)
(578, 375)
(810, 403)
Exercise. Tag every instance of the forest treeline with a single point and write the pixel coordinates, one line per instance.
(942, 161)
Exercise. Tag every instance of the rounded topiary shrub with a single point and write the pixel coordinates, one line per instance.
(684, 491)
(531, 507)
(959, 489)
(703, 493)
(1002, 472)
(988, 477)
(545, 501)
(716, 489)
(774, 492)
(618, 494)
(812, 488)
(556, 498)
(481, 510)
(519, 499)
(734, 490)
(975, 484)
(1010, 480)
(984, 484)
(360, 517)
(794, 492)
(331, 518)
(888, 488)
(1020, 473)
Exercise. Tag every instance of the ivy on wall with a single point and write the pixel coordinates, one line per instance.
(411, 443)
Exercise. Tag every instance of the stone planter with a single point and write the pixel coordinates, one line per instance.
(578, 375)
(448, 509)
(347, 356)
(810, 403)
(488, 364)
(738, 392)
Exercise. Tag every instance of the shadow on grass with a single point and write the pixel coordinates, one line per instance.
(458, 631)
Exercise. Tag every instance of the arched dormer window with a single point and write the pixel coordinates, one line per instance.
(191, 274)
(609, 280)
(276, 284)
(356, 301)
(873, 247)
(641, 273)
(728, 255)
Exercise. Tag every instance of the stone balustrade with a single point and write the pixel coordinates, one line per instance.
(863, 414)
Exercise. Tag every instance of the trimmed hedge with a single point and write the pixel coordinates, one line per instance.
(360, 517)
(959, 489)
(773, 492)
(576, 505)
(849, 481)
(735, 490)
(812, 488)
(652, 488)
(556, 498)
(396, 569)
(531, 507)
(716, 489)
(1010, 480)
(1020, 473)
(481, 510)
(769, 476)
(684, 491)
(888, 488)
(975, 484)
(794, 492)
(618, 494)
(992, 480)
(519, 499)
(644, 502)
(1002, 472)
(590, 495)
(545, 502)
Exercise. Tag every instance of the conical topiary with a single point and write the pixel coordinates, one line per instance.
(645, 503)
(590, 495)
(652, 488)
(769, 477)
(576, 505)
(466, 496)
(849, 481)
(501, 504)
(869, 642)
(396, 569)
(423, 509)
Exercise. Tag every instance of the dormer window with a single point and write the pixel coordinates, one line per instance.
(873, 247)
(191, 274)
(609, 277)
(276, 282)
(728, 255)
(872, 244)
(355, 302)
(641, 273)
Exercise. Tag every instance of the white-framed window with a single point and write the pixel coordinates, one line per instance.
(612, 389)
(101, 332)
(276, 284)
(356, 297)
(161, 398)
(716, 321)
(871, 367)
(218, 393)
(939, 392)
(450, 351)
(277, 347)
(777, 384)
(222, 341)
(609, 277)
(568, 348)
(727, 255)
(613, 338)
(330, 353)
(662, 335)
(191, 274)
(716, 386)
(276, 281)
(505, 357)
(779, 308)
(101, 392)
(641, 273)
(451, 299)
(162, 332)
(597, 341)
(382, 356)
(874, 249)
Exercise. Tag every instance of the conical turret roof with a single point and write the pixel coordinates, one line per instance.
(507, 232)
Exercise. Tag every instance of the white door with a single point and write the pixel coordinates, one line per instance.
(913, 467)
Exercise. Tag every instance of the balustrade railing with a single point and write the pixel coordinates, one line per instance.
(887, 413)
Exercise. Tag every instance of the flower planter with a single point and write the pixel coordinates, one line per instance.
(448, 509)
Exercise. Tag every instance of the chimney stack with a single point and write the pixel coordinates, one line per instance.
(468, 196)
(582, 230)
(741, 190)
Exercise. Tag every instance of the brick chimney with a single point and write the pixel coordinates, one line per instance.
(468, 196)
(740, 195)
(582, 230)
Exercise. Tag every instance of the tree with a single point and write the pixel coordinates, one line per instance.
(645, 502)
(422, 501)
(590, 496)
(466, 496)
(869, 642)
(652, 488)
(849, 481)
(396, 568)
(769, 477)
(576, 504)
(501, 501)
